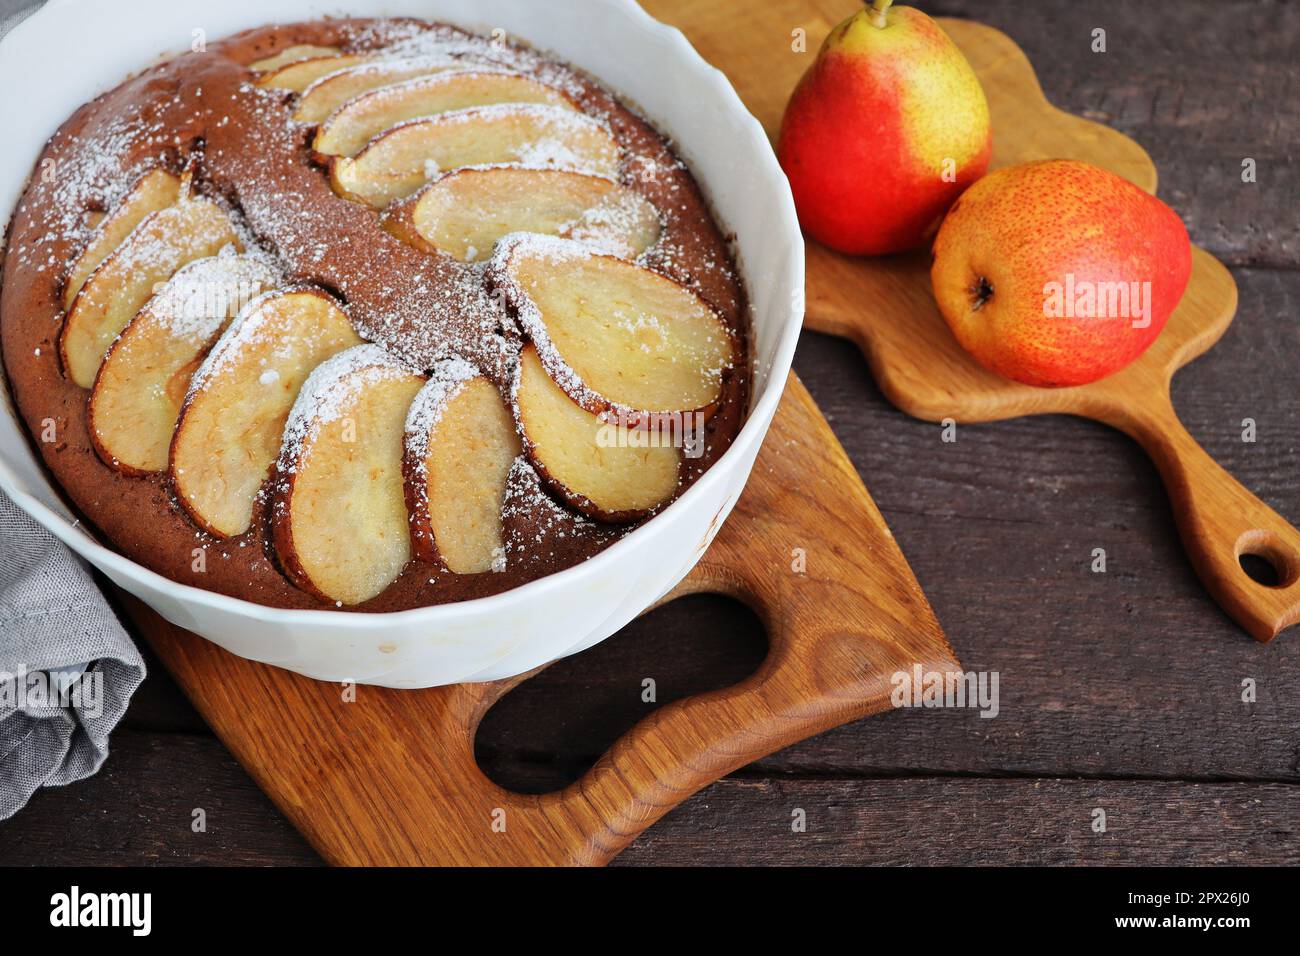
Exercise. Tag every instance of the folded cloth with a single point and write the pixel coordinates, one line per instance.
(14, 12)
(67, 668)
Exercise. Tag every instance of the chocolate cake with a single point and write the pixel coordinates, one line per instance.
(368, 314)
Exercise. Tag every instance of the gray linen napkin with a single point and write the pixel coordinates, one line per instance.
(14, 12)
(67, 668)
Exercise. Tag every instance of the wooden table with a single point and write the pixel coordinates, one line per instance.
(1120, 691)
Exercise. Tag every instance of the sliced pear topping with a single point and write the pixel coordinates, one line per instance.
(465, 212)
(142, 383)
(163, 242)
(397, 163)
(339, 523)
(580, 457)
(612, 333)
(460, 444)
(293, 54)
(355, 123)
(334, 89)
(155, 190)
(233, 418)
(299, 75)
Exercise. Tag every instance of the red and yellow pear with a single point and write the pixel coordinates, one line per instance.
(883, 132)
(1057, 272)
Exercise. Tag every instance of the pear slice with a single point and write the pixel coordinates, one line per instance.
(293, 54)
(460, 443)
(398, 162)
(465, 212)
(300, 74)
(233, 418)
(614, 335)
(164, 241)
(355, 123)
(339, 523)
(155, 190)
(142, 383)
(580, 456)
(334, 89)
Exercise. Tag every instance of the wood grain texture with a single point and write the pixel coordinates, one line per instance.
(140, 810)
(390, 778)
(886, 306)
(743, 820)
(953, 822)
(1201, 99)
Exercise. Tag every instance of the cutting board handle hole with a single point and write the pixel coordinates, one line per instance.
(547, 732)
(1266, 560)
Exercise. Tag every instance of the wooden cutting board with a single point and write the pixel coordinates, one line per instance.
(389, 778)
(885, 305)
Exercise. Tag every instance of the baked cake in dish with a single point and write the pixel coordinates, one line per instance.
(368, 314)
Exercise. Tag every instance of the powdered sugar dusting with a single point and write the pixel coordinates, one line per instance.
(403, 89)
(331, 392)
(98, 178)
(538, 530)
(552, 249)
(555, 131)
(539, 246)
(450, 313)
(446, 380)
(399, 69)
(401, 40)
(258, 325)
(559, 115)
(608, 225)
(202, 295)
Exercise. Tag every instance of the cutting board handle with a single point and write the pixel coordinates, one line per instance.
(818, 673)
(1218, 519)
(810, 565)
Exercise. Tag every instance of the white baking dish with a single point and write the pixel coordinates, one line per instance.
(95, 45)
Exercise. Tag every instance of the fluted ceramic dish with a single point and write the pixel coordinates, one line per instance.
(653, 66)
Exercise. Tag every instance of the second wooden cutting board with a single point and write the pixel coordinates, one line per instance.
(886, 306)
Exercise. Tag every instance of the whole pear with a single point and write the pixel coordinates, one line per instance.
(1058, 272)
(886, 128)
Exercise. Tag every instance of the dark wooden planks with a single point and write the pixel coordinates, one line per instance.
(1201, 84)
(946, 821)
(547, 732)
(1132, 672)
(139, 809)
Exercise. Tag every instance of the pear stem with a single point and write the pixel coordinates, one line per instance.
(878, 8)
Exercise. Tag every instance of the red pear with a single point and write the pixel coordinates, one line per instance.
(1057, 272)
(883, 132)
